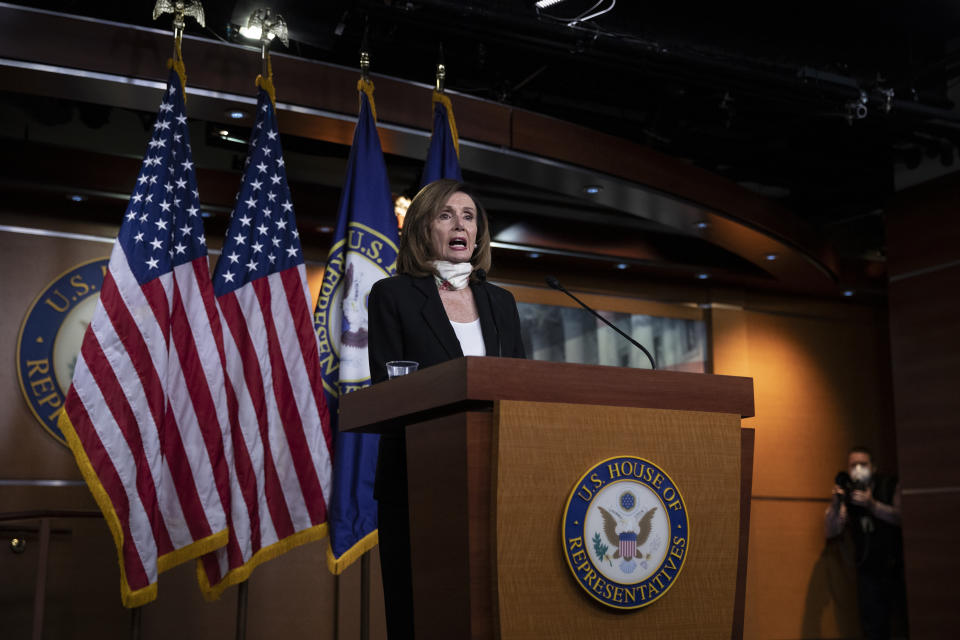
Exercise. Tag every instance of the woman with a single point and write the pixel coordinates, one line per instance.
(439, 307)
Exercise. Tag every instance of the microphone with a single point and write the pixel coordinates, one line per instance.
(555, 284)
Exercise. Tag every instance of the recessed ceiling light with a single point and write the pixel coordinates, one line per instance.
(592, 189)
(703, 276)
(76, 197)
(533, 254)
(848, 293)
(324, 229)
(206, 214)
(701, 224)
(622, 265)
(770, 257)
(236, 114)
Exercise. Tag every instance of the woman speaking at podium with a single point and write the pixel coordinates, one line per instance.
(439, 307)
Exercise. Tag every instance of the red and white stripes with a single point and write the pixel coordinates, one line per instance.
(147, 416)
(281, 437)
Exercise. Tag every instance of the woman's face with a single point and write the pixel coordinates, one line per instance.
(453, 232)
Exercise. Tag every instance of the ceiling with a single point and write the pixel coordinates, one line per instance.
(826, 108)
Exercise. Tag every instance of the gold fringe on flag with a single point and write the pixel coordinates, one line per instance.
(337, 565)
(267, 83)
(176, 62)
(366, 85)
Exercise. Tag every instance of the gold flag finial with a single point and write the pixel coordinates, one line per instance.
(181, 10)
(271, 27)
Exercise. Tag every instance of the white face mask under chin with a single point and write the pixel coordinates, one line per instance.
(860, 473)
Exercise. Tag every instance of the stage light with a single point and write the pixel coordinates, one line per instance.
(252, 32)
(400, 206)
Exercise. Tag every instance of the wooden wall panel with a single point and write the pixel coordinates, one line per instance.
(924, 323)
(924, 263)
(83, 582)
(933, 562)
(922, 231)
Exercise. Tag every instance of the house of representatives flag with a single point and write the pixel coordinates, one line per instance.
(364, 250)
(280, 428)
(146, 413)
(443, 157)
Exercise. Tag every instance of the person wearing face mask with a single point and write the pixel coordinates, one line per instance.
(866, 506)
(438, 307)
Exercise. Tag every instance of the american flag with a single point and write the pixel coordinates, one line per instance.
(146, 413)
(281, 434)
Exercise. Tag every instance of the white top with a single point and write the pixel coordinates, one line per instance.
(471, 337)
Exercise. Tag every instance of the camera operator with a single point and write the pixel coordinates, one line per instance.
(866, 505)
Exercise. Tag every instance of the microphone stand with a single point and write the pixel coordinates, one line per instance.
(555, 284)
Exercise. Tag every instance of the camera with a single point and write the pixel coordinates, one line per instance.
(849, 485)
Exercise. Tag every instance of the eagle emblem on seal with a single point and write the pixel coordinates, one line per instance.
(626, 534)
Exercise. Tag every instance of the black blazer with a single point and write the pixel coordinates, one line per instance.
(407, 321)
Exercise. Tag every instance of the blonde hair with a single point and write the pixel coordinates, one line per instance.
(415, 252)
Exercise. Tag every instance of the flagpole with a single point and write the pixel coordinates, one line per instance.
(242, 610)
(135, 618)
(365, 558)
(441, 72)
(365, 596)
(336, 606)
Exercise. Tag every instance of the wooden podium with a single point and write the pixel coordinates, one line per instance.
(494, 448)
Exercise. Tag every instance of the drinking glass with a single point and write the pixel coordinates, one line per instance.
(401, 367)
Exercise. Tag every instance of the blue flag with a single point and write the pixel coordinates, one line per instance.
(364, 250)
(443, 158)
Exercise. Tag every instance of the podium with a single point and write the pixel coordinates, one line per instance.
(495, 446)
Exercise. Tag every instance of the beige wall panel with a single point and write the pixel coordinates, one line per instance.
(821, 385)
(798, 585)
(731, 355)
(819, 389)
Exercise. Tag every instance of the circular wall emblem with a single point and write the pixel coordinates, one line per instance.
(625, 532)
(340, 318)
(50, 339)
